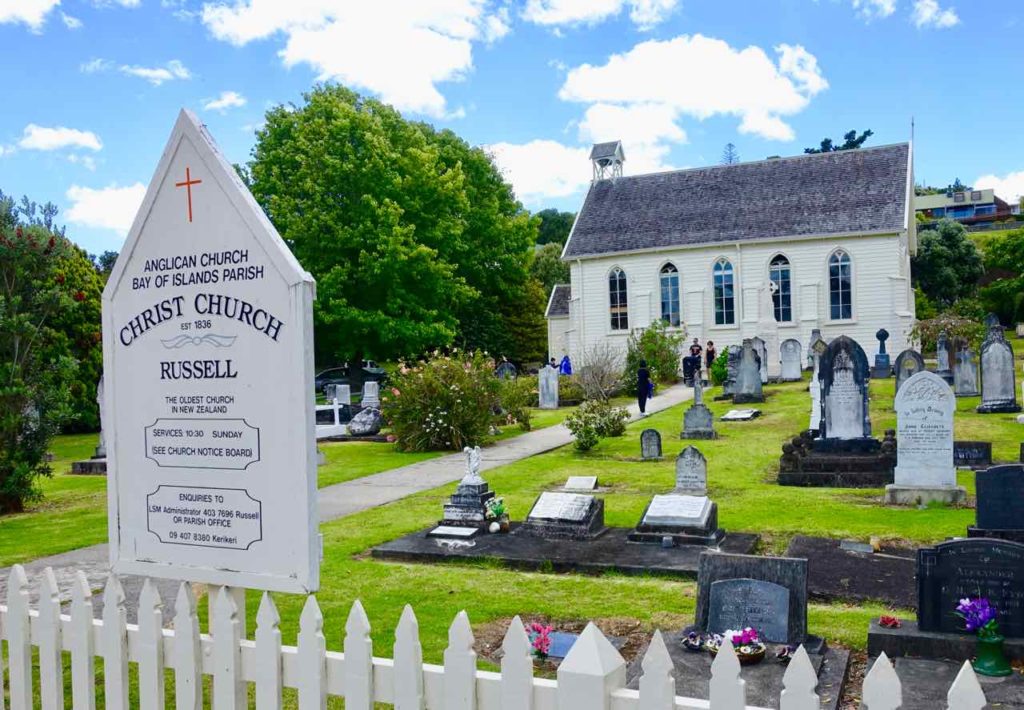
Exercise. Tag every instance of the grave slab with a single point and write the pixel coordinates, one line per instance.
(926, 682)
(909, 640)
(580, 483)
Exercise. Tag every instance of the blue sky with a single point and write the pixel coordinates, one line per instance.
(92, 87)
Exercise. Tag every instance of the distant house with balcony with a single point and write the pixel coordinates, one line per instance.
(967, 206)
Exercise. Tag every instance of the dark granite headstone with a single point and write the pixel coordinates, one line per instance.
(972, 454)
(882, 368)
(998, 376)
(908, 363)
(957, 569)
(467, 507)
(790, 573)
(844, 391)
(739, 603)
(506, 371)
(650, 444)
(732, 365)
(1000, 509)
(1021, 457)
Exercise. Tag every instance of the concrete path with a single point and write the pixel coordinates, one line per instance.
(339, 500)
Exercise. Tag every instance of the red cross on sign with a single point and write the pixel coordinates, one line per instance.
(187, 184)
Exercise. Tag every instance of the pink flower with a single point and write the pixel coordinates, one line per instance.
(394, 391)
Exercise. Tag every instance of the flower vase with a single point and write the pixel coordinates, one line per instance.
(990, 660)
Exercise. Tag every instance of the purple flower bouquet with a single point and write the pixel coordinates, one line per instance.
(979, 616)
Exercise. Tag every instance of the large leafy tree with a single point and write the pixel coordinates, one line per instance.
(415, 240)
(851, 141)
(948, 265)
(554, 226)
(1004, 257)
(548, 268)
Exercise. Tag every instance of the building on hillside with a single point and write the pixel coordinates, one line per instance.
(814, 241)
(968, 206)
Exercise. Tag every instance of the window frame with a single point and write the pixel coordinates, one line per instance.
(669, 272)
(719, 301)
(618, 300)
(778, 307)
(838, 255)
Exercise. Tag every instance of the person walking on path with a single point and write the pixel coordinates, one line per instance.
(710, 354)
(643, 386)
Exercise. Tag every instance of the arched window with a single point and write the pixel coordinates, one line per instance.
(670, 294)
(617, 299)
(840, 286)
(782, 296)
(725, 299)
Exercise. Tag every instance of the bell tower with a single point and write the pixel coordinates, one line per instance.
(607, 159)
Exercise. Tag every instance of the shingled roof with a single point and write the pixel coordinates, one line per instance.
(850, 191)
(558, 303)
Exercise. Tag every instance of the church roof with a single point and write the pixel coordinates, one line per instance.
(558, 303)
(850, 191)
(604, 150)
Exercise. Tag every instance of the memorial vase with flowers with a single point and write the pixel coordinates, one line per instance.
(980, 617)
(747, 644)
(540, 640)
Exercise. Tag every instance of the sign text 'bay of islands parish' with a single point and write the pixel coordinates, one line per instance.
(207, 323)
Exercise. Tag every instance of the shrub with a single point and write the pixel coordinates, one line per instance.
(660, 348)
(720, 367)
(570, 390)
(445, 403)
(516, 396)
(600, 373)
(926, 332)
(594, 420)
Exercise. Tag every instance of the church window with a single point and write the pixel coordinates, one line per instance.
(725, 298)
(782, 294)
(618, 299)
(670, 312)
(840, 286)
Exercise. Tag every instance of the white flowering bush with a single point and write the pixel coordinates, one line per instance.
(444, 403)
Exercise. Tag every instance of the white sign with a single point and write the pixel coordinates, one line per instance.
(207, 347)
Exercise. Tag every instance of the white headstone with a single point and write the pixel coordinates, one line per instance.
(580, 483)
(343, 393)
(371, 394)
(792, 366)
(924, 432)
(208, 364)
(691, 472)
(673, 509)
(547, 387)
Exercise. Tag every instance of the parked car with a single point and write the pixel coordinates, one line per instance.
(351, 374)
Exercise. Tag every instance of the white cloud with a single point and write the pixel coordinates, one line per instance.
(226, 100)
(395, 49)
(28, 12)
(702, 77)
(643, 13)
(42, 138)
(156, 76)
(72, 23)
(110, 207)
(1010, 187)
(542, 168)
(86, 161)
(872, 9)
(927, 13)
(644, 129)
(95, 65)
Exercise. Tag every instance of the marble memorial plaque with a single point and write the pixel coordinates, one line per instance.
(677, 510)
(561, 506)
(738, 603)
(741, 415)
(924, 432)
(454, 531)
(581, 483)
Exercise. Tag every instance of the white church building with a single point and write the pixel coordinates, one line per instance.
(830, 234)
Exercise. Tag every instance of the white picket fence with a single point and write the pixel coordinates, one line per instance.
(592, 677)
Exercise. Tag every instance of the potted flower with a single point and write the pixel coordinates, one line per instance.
(980, 617)
(497, 513)
(749, 647)
(540, 639)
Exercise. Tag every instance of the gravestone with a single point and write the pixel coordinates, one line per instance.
(650, 445)
(786, 572)
(1000, 509)
(944, 358)
(547, 387)
(965, 374)
(1020, 330)
(732, 365)
(768, 331)
(343, 393)
(908, 363)
(748, 376)
(698, 421)
(580, 483)
(791, 362)
(924, 444)
(741, 415)
(467, 507)
(762, 357)
(740, 603)
(882, 367)
(998, 388)
(817, 348)
(572, 516)
(371, 394)
(97, 465)
(691, 472)
(844, 391)
(959, 569)
(506, 370)
(101, 447)
(992, 320)
(972, 454)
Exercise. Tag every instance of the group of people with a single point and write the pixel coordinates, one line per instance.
(691, 370)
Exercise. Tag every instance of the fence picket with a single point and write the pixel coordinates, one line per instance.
(882, 688)
(658, 683)
(188, 663)
(51, 661)
(966, 692)
(408, 653)
(591, 671)
(312, 657)
(83, 650)
(268, 655)
(460, 666)
(228, 686)
(19, 640)
(516, 668)
(151, 648)
(358, 660)
(728, 691)
(114, 642)
(799, 683)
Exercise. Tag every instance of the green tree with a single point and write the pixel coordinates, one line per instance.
(105, 263)
(548, 267)
(730, 155)
(851, 141)
(1005, 295)
(948, 265)
(35, 368)
(554, 226)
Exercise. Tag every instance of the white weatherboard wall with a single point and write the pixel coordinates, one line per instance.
(558, 337)
(207, 346)
(882, 296)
